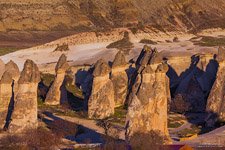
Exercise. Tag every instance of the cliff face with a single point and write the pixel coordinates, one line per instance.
(81, 15)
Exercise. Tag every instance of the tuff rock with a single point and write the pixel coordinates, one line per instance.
(57, 93)
(24, 115)
(148, 108)
(101, 101)
(119, 78)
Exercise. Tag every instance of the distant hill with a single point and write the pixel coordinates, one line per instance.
(89, 14)
(86, 15)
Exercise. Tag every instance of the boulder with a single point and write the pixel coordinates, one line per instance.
(57, 93)
(101, 102)
(24, 115)
(119, 78)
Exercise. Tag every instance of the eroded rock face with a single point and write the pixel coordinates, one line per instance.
(57, 93)
(8, 85)
(147, 56)
(5, 96)
(216, 101)
(148, 108)
(25, 107)
(101, 101)
(12, 68)
(119, 78)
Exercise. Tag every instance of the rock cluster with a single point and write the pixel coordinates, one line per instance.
(216, 101)
(24, 115)
(57, 93)
(195, 83)
(119, 78)
(149, 96)
(147, 56)
(101, 101)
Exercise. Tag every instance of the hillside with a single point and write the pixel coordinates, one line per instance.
(35, 19)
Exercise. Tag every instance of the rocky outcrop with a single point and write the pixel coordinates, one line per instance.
(25, 106)
(101, 101)
(12, 68)
(62, 48)
(119, 78)
(8, 86)
(148, 108)
(216, 101)
(196, 82)
(147, 56)
(57, 93)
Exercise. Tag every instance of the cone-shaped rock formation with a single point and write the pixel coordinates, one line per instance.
(119, 78)
(24, 115)
(101, 101)
(57, 93)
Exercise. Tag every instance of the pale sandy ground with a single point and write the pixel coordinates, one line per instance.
(90, 53)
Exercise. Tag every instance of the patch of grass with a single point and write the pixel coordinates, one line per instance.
(4, 51)
(176, 120)
(147, 41)
(188, 132)
(63, 111)
(174, 124)
(211, 41)
(119, 116)
(47, 79)
(40, 101)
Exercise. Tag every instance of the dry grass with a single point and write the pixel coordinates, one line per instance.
(211, 41)
(143, 141)
(32, 139)
(147, 41)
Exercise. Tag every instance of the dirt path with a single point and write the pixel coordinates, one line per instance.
(90, 124)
